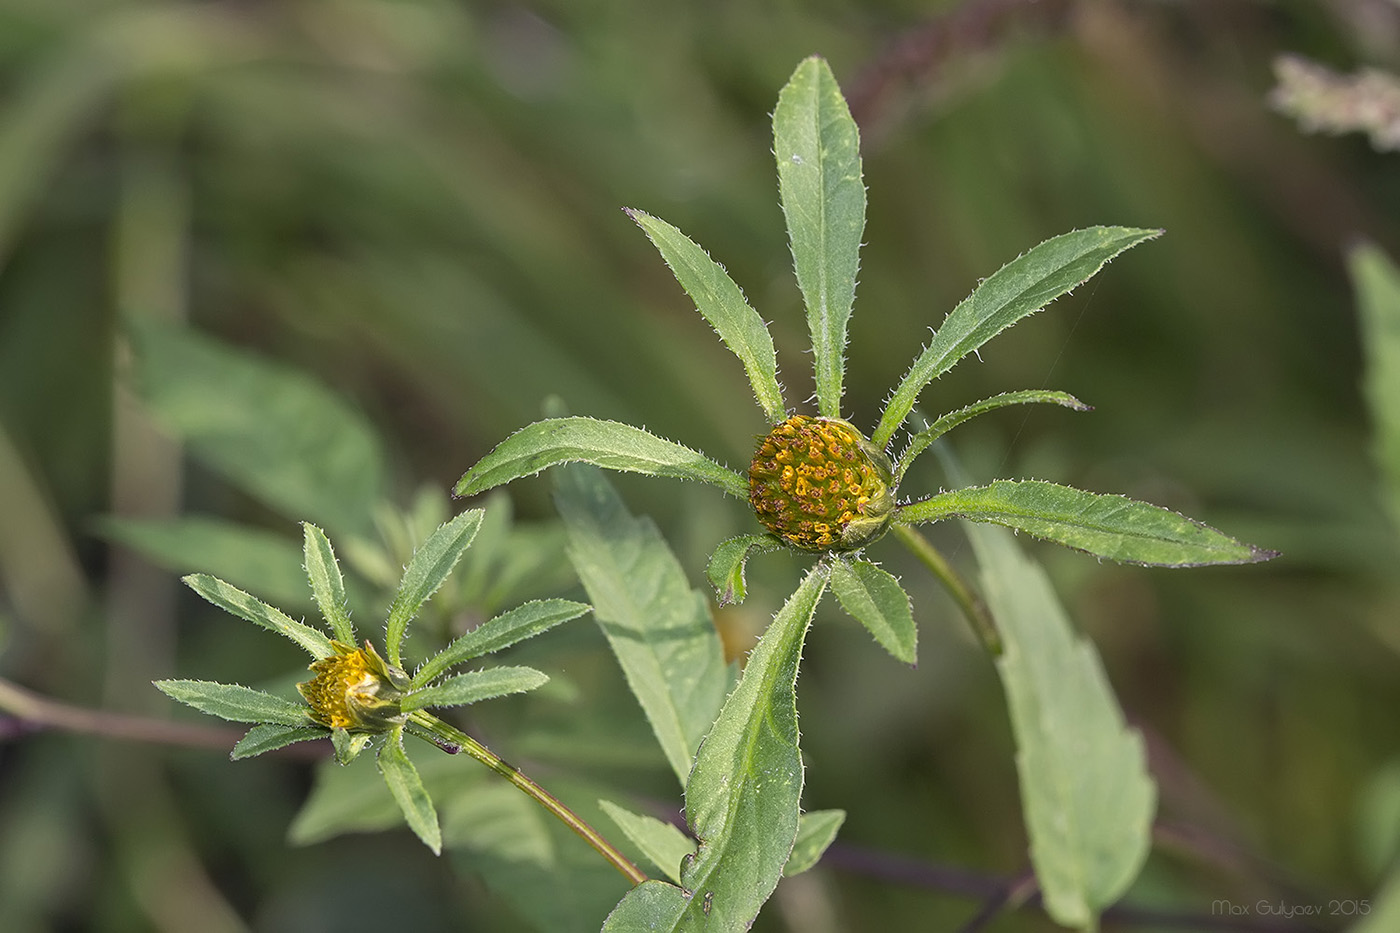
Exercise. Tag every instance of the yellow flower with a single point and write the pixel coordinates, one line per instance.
(355, 690)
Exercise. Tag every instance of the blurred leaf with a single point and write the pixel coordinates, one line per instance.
(726, 567)
(1016, 290)
(1085, 790)
(1109, 526)
(1378, 820)
(508, 628)
(233, 600)
(327, 585)
(1383, 910)
(816, 831)
(476, 685)
(602, 443)
(269, 737)
(1377, 284)
(662, 843)
(430, 566)
(874, 598)
(947, 422)
(742, 799)
(817, 147)
(235, 702)
(272, 430)
(259, 561)
(659, 628)
(354, 798)
(407, 789)
(722, 303)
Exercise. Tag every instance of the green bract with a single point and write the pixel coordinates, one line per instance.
(358, 698)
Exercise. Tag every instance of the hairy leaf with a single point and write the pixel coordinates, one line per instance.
(874, 598)
(232, 599)
(514, 625)
(1016, 290)
(817, 147)
(430, 566)
(726, 567)
(742, 800)
(408, 791)
(607, 444)
(1115, 527)
(269, 737)
(327, 585)
(722, 303)
(1087, 796)
(235, 702)
(474, 686)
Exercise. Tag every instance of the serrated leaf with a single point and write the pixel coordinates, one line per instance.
(272, 430)
(515, 625)
(235, 702)
(327, 585)
(608, 444)
(474, 686)
(269, 737)
(259, 561)
(1377, 284)
(233, 600)
(816, 831)
(725, 570)
(722, 303)
(659, 628)
(817, 147)
(874, 598)
(1016, 290)
(1087, 796)
(1115, 527)
(920, 442)
(429, 567)
(742, 799)
(408, 791)
(662, 843)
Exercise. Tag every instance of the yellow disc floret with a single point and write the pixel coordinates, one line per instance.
(355, 690)
(818, 484)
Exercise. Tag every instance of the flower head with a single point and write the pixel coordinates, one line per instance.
(355, 690)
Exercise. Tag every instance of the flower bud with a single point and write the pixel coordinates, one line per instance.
(354, 689)
(818, 484)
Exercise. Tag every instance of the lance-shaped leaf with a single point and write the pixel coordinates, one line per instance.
(327, 585)
(742, 800)
(1016, 290)
(817, 147)
(1377, 283)
(663, 844)
(657, 625)
(1115, 527)
(515, 625)
(408, 791)
(650, 907)
(920, 442)
(1085, 790)
(725, 570)
(475, 686)
(874, 598)
(816, 831)
(722, 303)
(608, 444)
(235, 702)
(269, 737)
(427, 570)
(233, 600)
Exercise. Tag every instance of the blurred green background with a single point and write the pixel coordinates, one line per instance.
(416, 204)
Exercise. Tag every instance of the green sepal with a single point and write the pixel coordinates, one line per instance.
(1111, 526)
(348, 745)
(874, 598)
(725, 570)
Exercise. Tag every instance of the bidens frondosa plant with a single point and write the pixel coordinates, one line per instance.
(360, 699)
(818, 484)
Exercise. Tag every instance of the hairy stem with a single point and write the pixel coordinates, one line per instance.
(969, 602)
(453, 740)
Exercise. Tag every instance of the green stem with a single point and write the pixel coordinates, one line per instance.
(971, 605)
(453, 739)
